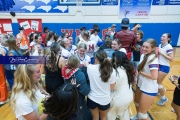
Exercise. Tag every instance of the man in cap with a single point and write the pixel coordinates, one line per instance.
(127, 37)
(22, 42)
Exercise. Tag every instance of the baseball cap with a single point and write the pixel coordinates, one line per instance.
(125, 22)
(113, 25)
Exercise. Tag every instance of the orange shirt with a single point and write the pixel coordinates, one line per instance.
(3, 88)
(23, 43)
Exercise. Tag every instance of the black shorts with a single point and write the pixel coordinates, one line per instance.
(92, 105)
(176, 98)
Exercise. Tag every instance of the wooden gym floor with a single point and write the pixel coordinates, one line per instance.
(156, 112)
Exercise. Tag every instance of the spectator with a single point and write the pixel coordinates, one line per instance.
(22, 42)
(127, 37)
(45, 32)
(66, 98)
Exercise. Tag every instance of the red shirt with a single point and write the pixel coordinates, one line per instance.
(44, 38)
(127, 39)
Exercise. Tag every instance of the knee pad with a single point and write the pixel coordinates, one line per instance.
(142, 115)
(160, 86)
(136, 104)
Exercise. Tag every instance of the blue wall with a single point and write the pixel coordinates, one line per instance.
(151, 30)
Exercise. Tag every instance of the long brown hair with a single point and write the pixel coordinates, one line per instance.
(120, 59)
(153, 45)
(12, 44)
(105, 65)
(52, 59)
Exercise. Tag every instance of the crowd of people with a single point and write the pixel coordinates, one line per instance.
(91, 80)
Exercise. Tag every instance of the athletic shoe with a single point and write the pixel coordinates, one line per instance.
(2, 103)
(164, 91)
(161, 102)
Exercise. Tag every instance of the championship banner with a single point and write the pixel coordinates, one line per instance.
(134, 8)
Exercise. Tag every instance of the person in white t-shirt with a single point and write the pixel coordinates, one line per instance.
(37, 50)
(34, 39)
(95, 37)
(65, 48)
(27, 93)
(81, 53)
(102, 81)
(165, 55)
(72, 48)
(122, 95)
(116, 46)
(90, 45)
(147, 86)
(50, 38)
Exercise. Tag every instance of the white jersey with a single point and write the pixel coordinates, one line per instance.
(50, 42)
(95, 39)
(167, 49)
(90, 48)
(100, 91)
(65, 53)
(32, 43)
(86, 58)
(73, 49)
(24, 105)
(146, 84)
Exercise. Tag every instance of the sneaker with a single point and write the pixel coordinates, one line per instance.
(2, 103)
(161, 102)
(164, 91)
(134, 117)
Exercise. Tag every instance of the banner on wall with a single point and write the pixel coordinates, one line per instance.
(6, 26)
(84, 2)
(109, 2)
(134, 8)
(30, 25)
(166, 2)
(36, 6)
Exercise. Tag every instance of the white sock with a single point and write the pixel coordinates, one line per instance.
(163, 97)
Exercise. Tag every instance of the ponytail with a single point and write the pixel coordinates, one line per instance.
(153, 45)
(142, 64)
(168, 36)
(52, 59)
(105, 65)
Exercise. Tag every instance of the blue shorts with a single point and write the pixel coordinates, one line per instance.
(150, 94)
(164, 68)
